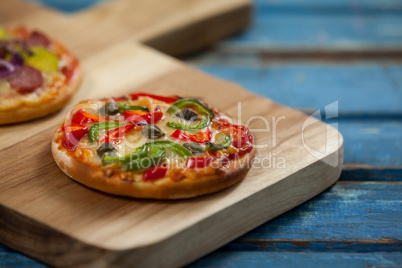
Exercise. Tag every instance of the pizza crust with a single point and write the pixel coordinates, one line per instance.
(27, 112)
(163, 188)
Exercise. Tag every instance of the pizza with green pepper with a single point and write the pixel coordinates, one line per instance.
(150, 146)
(38, 75)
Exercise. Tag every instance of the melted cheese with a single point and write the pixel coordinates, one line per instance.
(53, 81)
(134, 139)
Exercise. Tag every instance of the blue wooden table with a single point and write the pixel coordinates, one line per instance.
(307, 54)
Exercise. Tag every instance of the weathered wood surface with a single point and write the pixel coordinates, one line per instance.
(302, 259)
(346, 220)
(313, 85)
(173, 26)
(374, 103)
(52, 218)
(296, 27)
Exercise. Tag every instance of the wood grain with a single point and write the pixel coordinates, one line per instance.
(122, 226)
(131, 230)
(300, 85)
(238, 259)
(173, 26)
(50, 217)
(331, 26)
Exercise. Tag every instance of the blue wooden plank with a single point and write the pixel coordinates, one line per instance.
(365, 173)
(360, 87)
(314, 246)
(69, 6)
(372, 142)
(308, 7)
(242, 259)
(348, 218)
(345, 212)
(14, 260)
(327, 25)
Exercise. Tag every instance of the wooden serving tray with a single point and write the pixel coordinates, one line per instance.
(50, 217)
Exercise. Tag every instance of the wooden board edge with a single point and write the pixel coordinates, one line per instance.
(252, 215)
(203, 33)
(33, 238)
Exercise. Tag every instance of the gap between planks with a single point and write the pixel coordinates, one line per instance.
(302, 245)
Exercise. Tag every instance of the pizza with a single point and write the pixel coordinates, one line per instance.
(38, 75)
(150, 146)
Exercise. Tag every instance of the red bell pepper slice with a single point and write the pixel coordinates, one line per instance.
(116, 135)
(82, 117)
(136, 117)
(198, 162)
(72, 135)
(118, 99)
(70, 70)
(240, 134)
(154, 173)
(201, 136)
(170, 99)
(242, 151)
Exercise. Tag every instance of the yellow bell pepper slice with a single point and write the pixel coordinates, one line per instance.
(42, 59)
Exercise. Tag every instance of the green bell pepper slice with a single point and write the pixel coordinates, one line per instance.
(176, 148)
(226, 140)
(93, 133)
(148, 155)
(202, 124)
(140, 152)
(201, 108)
(124, 107)
(157, 155)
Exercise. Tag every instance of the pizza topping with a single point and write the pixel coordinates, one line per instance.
(205, 121)
(105, 149)
(42, 59)
(200, 136)
(245, 140)
(3, 33)
(83, 117)
(155, 157)
(116, 135)
(195, 148)
(225, 142)
(125, 107)
(139, 116)
(154, 173)
(93, 133)
(72, 135)
(176, 148)
(198, 162)
(152, 132)
(135, 96)
(241, 151)
(109, 109)
(187, 114)
(6, 69)
(26, 79)
(186, 103)
(204, 142)
(239, 133)
(70, 69)
(140, 152)
(16, 59)
(37, 39)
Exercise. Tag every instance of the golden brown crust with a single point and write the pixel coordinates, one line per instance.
(54, 97)
(28, 112)
(164, 188)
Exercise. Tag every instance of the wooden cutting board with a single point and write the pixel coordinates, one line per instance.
(50, 217)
